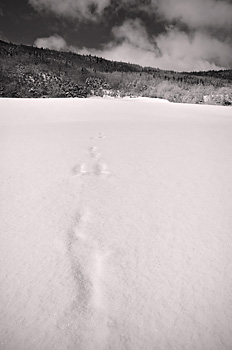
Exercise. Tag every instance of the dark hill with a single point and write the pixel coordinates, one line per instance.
(27, 71)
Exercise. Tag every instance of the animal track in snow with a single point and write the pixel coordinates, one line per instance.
(86, 318)
(101, 169)
(88, 264)
(97, 169)
(101, 135)
(94, 153)
(79, 249)
(93, 167)
(80, 169)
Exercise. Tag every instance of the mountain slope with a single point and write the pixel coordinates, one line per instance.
(27, 71)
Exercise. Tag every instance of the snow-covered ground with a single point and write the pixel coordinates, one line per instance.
(116, 225)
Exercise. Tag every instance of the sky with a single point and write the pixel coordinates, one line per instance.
(182, 35)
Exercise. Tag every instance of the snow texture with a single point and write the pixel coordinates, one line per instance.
(115, 225)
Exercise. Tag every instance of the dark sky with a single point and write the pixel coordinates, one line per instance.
(169, 34)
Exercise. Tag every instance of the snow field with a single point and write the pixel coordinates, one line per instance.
(116, 225)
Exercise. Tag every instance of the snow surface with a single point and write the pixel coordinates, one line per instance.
(116, 225)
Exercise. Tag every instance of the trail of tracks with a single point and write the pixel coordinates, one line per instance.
(86, 320)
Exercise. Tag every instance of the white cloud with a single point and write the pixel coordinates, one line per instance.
(125, 52)
(171, 50)
(84, 9)
(54, 42)
(134, 33)
(193, 13)
(193, 52)
(196, 13)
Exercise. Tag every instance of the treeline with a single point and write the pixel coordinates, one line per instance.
(27, 71)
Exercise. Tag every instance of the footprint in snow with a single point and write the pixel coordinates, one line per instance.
(94, 153)
(101, 169)
(80, 169)
(88, 263)
(101, 135)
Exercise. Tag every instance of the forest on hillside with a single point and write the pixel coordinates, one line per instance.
(27, 71)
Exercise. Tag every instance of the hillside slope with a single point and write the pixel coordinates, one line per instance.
(27, 71)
